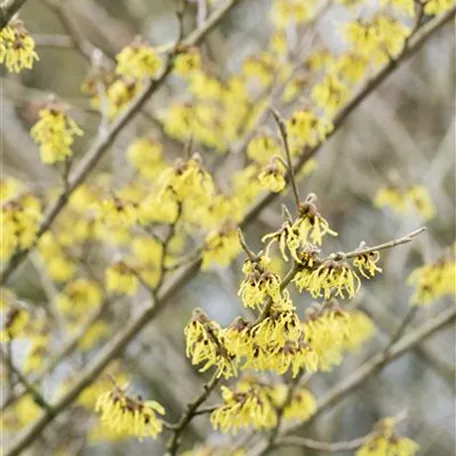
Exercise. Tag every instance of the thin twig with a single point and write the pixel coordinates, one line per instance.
(9, 10)
(284, 135)
(192, 410)
(386, 245)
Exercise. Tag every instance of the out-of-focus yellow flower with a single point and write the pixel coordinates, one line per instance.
(120, 278)
(186, 63)
(418, 196)
(139, 60)
(22, 413)
(221, 246)
(262, 148)
(433, 281)
(305, 128)
(94, 334)
(79, 298)
(272, 177)
(286, 12)
(146, 155)
(330, 94)
(385, 442)
(434, 7)
(124, 414)
(55, 132)
(302, 404)
(14, 323)
(20, 223)
(17, 47)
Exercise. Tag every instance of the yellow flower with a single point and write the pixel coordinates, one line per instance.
(58, 264)
(22, 413)
(95, 333)
(418, 196)
(117, 212)
(258, 284)
(434, 7)
(279, 327)
(221, 246)
(17, 47)
(305, 128)
(9, 188)
(359, 329)
(330, 94)
(120, 278)
(433, 281)
(188, 180)
(392, 197)
(20, 223)
(187, 62)
(272, 177)
(328, 277)
(37, 354)
(54, 132)
(139, 60)
(325, 332)
(367, 264)
(262, 148)
(146, 156)
(242, 409)
(286, 12)
(385, 442)
(79, 298)
(302, 403)
(204, 340)
(15, 321)
(295, 355)
(124, 414)
(7, 299)
(350, 67)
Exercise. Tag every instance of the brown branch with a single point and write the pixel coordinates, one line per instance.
(9, 10)
(192, 411)
(284, 135)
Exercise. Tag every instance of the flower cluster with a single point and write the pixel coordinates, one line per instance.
(127, 415)
(433, 281)
(416, 198)
(17, 47)
(259, 283)
(139, 61)
(385, 442)
(20, 223)
(255, 403)
(55, 132)
(205, 344)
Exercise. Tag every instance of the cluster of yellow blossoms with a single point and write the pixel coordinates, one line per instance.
(416, 198)
(433, 281)
(17, 47)
(55, 132)
(130, 416)
(254, 402)
(385, 442)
